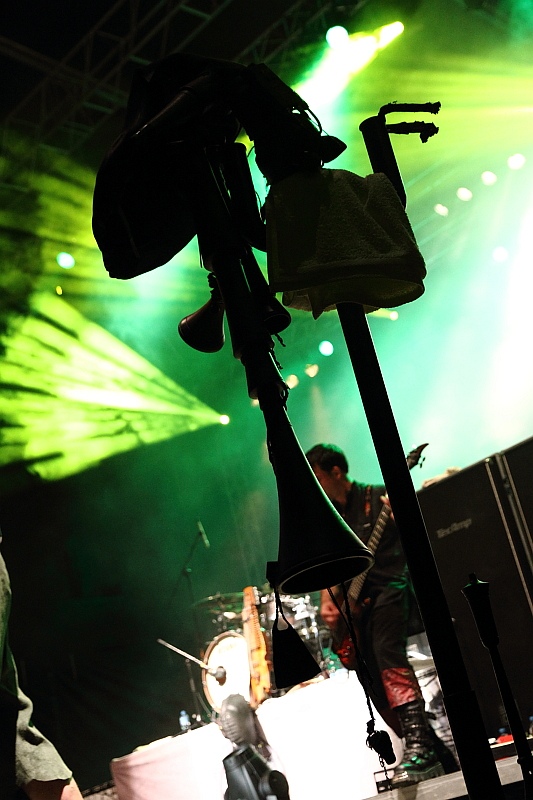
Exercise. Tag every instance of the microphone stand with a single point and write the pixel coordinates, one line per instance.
(186, 571)
(192, 685)
(477, 595)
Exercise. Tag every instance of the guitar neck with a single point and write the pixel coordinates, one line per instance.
(343, 643)
(356, 585)
(354, 590)
(257, 651)
(250, 618)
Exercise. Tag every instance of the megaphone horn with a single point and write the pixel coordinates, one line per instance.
(204, 329)
(317, 549)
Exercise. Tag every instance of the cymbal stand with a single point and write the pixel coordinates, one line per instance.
(477, 763)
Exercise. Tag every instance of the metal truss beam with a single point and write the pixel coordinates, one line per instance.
(92, 82)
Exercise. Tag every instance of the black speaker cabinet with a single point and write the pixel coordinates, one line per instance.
(473, 528)
(516, 468)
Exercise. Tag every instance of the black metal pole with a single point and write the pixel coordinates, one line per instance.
(187, 573)
(477, 763)
(194, 694)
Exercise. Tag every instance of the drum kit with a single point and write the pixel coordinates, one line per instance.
(226, 666)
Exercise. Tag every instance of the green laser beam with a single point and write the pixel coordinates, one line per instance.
(71, 394)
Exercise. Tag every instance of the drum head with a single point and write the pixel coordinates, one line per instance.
(229, 651)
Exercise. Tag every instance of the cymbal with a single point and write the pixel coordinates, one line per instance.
(224, 602)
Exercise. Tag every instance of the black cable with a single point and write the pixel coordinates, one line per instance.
(379, 741)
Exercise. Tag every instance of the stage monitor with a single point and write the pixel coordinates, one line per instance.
(472, 529)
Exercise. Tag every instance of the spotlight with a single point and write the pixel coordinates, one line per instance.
(489, 178)
(441, 210)
(464, 194)
(347, 54)
(311, 370)
(250, 778)
(292, 381)
(224, 419)
(326, 348)
(65, 260)
(337, 37)
(516, 161)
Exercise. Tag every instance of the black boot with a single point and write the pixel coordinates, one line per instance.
(419, 761)
(445, 754)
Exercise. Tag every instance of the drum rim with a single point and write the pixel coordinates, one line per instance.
(211, 646)
(217, 638)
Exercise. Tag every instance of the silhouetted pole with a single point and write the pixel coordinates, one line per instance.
(477, 762)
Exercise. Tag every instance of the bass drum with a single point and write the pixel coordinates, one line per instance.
(229, 650)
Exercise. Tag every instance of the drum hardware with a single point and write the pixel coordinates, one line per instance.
(229, 649)
(296, 610)
(218, 674)
(225, 610)
(301, 614)
(229, 652)
(187, 573)
(224, 602)
(297, 664)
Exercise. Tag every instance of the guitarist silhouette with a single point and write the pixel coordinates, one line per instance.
(381, 605)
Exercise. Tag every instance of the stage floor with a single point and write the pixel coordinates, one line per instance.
(449, 787)
(452, 787)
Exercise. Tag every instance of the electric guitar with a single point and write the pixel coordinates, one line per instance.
(342, 643)
(260, 684)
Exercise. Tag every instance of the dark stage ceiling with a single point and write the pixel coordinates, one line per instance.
(68, 67)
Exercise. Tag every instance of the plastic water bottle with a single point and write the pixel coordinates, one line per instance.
(185, 722)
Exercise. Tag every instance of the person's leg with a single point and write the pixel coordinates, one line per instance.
(389, 637)
(53, 790)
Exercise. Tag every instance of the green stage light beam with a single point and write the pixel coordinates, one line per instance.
(71, 394)
(338, 65)
(326, 80)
